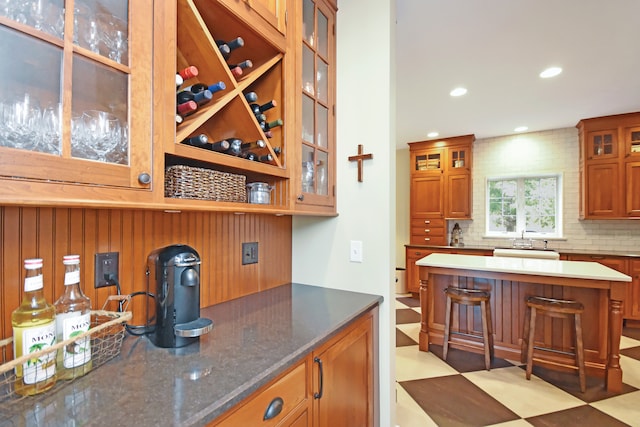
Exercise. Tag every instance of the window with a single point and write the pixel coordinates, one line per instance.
(527, 203)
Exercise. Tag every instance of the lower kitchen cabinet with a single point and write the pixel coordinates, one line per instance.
(343, 378)
(413, 273)
(333, 386)
(632, 311)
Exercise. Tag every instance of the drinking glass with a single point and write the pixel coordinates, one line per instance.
(113, 32)
(21, 117)
(51, 129)
(103, 130)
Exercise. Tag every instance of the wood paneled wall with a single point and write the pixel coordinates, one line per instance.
(51, 233)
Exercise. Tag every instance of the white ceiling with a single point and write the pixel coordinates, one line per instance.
(497, 48)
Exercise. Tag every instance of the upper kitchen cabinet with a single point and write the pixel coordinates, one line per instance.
(314, 168)
(235, 135)
(76, 97)
(610, 167)
(269, 15)
(440, 186)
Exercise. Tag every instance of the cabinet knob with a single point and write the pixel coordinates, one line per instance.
(301, 197)
(144, 178)
(274, 409)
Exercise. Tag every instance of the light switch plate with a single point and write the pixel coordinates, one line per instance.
(355, 253)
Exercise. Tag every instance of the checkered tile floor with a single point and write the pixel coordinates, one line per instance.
(460, 392)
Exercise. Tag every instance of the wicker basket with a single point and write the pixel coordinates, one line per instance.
(106, 334)
(186, 182)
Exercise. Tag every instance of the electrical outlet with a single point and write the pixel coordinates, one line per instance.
(249, 253)
(106, 263)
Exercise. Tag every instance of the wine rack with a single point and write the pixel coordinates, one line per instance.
(228, 115)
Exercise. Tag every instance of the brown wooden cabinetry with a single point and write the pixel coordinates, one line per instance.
(413, 272)
(632, 310)
(440, 187)
(610, 167)
(343, 377)
(77, 104)
(334, 385)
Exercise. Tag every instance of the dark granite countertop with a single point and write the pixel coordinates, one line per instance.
(593, 252)
(254, 339)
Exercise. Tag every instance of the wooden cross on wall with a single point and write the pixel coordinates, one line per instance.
(360, 158)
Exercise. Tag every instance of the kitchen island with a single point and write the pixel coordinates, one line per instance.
(254, 340)
(510, 280)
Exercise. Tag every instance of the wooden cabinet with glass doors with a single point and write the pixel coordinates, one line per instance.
(610, 165)
(314, 188)
(75, 103)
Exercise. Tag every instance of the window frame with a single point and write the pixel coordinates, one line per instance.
(520, 213)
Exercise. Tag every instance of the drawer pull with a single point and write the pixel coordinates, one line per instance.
(274, 409)
(426, 239)
(427, 222)
(426, 230)
(318, 395)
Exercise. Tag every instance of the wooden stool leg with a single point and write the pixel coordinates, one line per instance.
(580, 352)
(447, 326)
(524, 347)
(485, 336)
(530, 344)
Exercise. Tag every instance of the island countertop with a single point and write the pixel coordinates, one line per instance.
(253, 340)
(530, 266)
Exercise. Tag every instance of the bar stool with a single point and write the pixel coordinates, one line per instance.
(556, 308)
(472, 297)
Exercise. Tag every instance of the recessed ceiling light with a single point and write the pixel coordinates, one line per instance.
(520, 129)
(459, 91)
(432, 134)
(550, 72)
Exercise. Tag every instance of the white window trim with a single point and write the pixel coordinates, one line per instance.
(518, 233)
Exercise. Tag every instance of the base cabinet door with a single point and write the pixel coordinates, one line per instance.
(632, 310)
(343, 380)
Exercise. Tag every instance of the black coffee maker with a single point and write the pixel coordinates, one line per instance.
(173, 277)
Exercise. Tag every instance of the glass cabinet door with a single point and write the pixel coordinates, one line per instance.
(633, 141)
(71, 91)
(317, 102)
(602, 144)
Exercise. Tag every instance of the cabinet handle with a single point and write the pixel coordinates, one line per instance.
(426, 230)
(318, 395)
(427, 222)
(144, 178)
(426, 239)
(418, 253)
(274, 409)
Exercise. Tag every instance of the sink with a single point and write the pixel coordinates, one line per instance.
(526, 253)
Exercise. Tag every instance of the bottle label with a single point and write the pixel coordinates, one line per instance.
(79, 352)
(72, 277)
(33, 283)
(35, 339)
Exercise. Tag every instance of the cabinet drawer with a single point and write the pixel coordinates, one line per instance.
(291, 388)
(426, 239)
(427, 222)
(428, 231)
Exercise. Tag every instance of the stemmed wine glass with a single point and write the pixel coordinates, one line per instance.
(103, 132)
(114, 33)
(51, 129)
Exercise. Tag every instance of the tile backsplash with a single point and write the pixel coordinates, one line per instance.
(550, 151)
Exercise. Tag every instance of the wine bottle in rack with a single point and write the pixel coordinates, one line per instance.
(251, 96)
(265, 158)
(220, 146)
(224, 50)
(250, 155)
(200, 87)
(199, 98)
(257, 108)
(238, 69)
(179, 119)
(245, 146)
(267, 126)
(277, 150)
(268, 134)
(231, 44)
(200, 141)
(179, 81)
(235, 147)
(261, 117)
(188, 72)
(186, 108)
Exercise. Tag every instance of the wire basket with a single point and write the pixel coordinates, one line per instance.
(186, 182)
(106, 333)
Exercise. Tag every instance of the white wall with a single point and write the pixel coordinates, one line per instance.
(366, 115)
(403, 183)
(555, 150)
